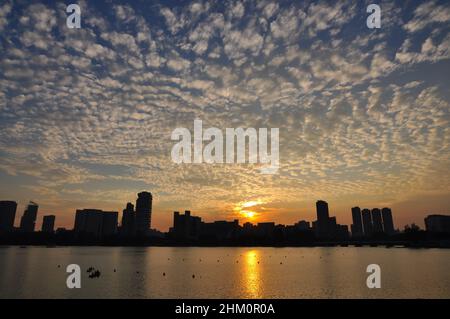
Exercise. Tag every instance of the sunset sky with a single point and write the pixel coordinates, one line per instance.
(86, 114)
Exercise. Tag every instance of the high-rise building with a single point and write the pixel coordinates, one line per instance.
(143, 213)
(377, 221)
(437, 223)
(89, 222)
(185, 227)
(322, 225)
(48, 224)
(95, 222)
(7, 215)
(128, 221)
(367, 222)
(28, 220)
(357, 227)
(388, 222)
(322, 211)
(109, 223)
(326, 227)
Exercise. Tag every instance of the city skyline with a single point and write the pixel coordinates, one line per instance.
(86, 114)
(364, 221)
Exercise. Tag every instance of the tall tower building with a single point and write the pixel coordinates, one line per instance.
(388, 222)
(143, 212)
(367, 222)
(7, 215)
(48, 224)
(322, 211)
(128, 221)
(28, 220)
(377, 221)
(324, 226)
(357, 227)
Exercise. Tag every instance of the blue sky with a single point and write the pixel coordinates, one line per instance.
(86, 114)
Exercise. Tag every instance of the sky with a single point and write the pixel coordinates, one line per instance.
(86, 115)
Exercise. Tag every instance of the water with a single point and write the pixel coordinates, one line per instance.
(326, 272)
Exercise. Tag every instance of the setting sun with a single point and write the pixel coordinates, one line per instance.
(243, 208)
(248, 214)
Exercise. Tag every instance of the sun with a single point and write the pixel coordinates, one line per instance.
(248, 214)
(243, 208)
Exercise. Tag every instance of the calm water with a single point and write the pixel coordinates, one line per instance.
(330, 272)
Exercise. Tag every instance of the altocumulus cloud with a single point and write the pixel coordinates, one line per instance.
(362, 113)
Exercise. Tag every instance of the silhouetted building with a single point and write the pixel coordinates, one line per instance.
(185, 227)
(7, 215)
(28, 220)
(302, 225)
(95, 222)
(367, 222)
(219, 230)
(357, 226)
(248, 229)
(109, 223)
(88, 222)
(322, 211)
(143, 213)
(48, 224)
(388, 222)
(342, 231)
(437, 223)
(128, 221)
(265, 229)
(322, 226)
(326, 227)
(377, 221)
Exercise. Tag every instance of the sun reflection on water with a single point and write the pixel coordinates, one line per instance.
(252, 274)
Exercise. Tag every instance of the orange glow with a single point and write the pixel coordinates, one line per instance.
(242, 209)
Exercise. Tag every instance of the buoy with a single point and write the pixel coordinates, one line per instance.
(164, 273)
(193, 276)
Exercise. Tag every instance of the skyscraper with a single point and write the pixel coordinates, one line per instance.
(95, 222)
(7, 215)
(109, 223)
(377, 221)
(322, 225)
(48, 224)
(388, 222)
(357, 227)
(28, 220)
(322, 211)
(128, 221)
(367, 222)
(437, 223)
(89, 221)
(185, 227)
(143, 213)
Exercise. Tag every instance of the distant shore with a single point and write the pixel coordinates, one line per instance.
(415, 245)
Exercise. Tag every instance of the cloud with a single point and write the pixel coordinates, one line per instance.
(426, 14)
(363, 114)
